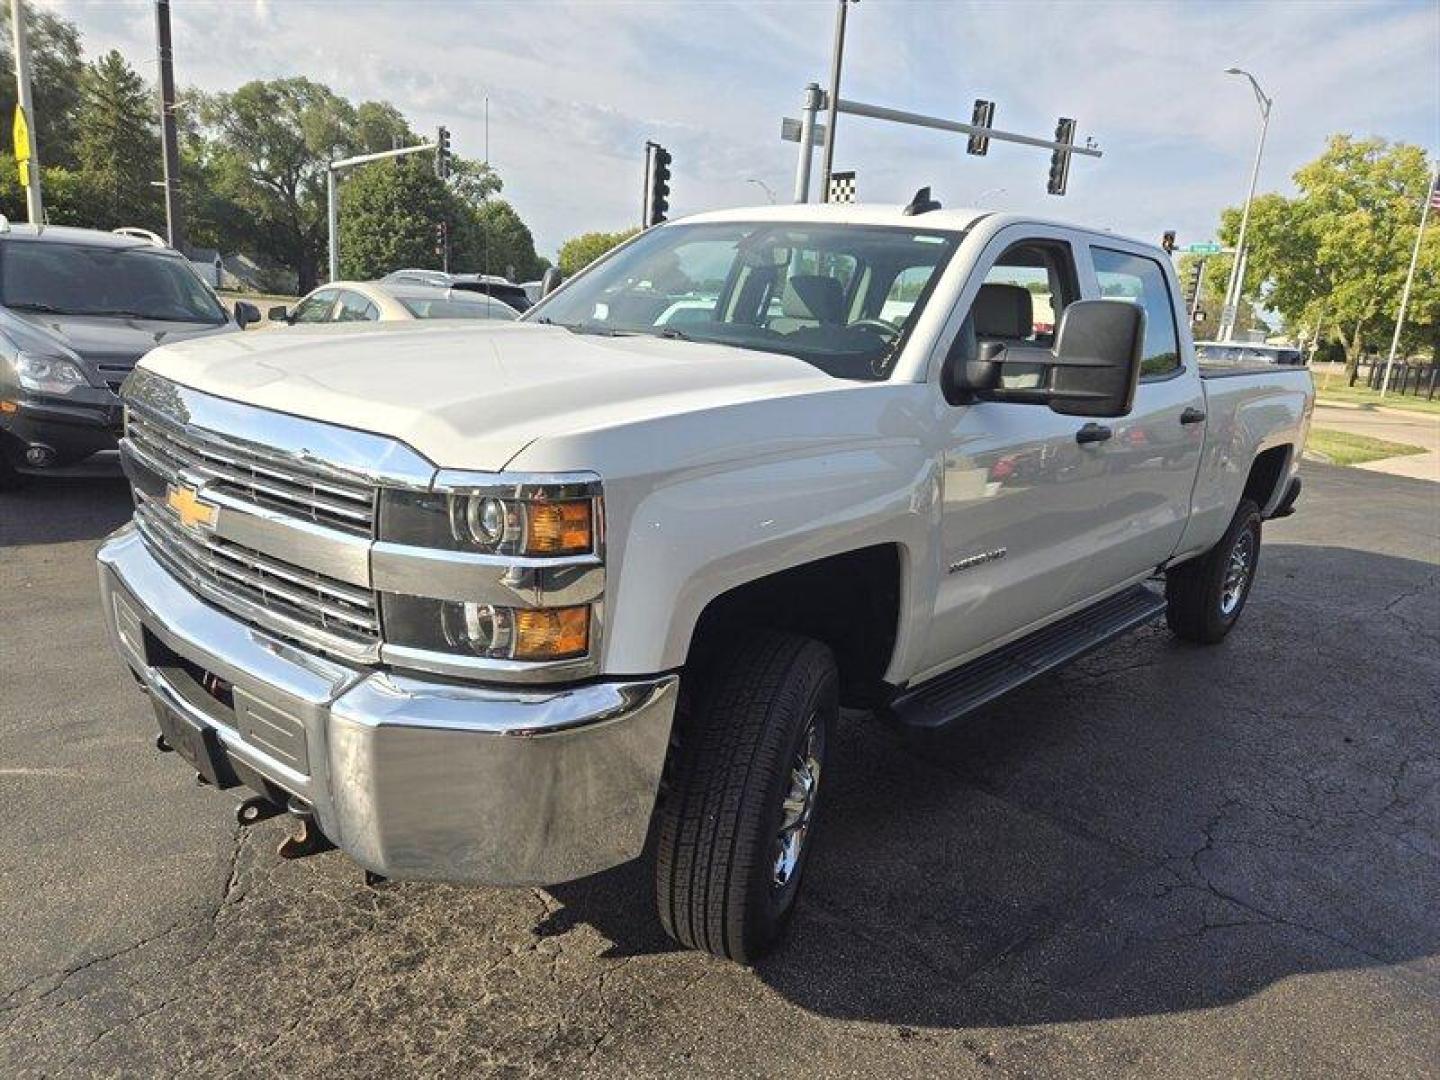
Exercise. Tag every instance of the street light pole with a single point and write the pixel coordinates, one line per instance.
(1237, 270)
(34, 202)
(1433, 182)
(833, 105)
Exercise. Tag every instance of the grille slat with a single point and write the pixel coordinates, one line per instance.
(256, 477)
(228, 569)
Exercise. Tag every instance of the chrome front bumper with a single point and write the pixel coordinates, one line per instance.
(412, 778)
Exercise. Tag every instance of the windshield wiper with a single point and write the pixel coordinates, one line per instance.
(47, 309)
(594, 328)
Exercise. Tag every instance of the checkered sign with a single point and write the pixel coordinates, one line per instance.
(842, 187)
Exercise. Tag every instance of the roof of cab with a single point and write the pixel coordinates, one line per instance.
(956, 220)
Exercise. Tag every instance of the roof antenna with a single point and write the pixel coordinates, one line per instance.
(922, 203)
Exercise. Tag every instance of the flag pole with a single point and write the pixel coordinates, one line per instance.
(1430, 196)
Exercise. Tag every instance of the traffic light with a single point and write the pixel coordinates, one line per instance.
(657, 196)
(1192, 282)
(442, 152)
(982, 116)
(1167, 241)
(1060, 159)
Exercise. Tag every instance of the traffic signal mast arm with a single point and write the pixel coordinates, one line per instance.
(332, 201)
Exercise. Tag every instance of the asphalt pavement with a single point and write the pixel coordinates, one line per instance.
(1165, 860)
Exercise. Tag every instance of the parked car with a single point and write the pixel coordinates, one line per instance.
(387, 301)
(1245, 352)
(78, 307)
(561, 584)
(517, 296)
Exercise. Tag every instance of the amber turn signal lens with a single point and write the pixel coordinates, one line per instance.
(9, 407)
(551, 633)
(558, 528)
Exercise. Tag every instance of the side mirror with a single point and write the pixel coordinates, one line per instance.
(549, 282)
(1091, 371)
(278, 313)
(246, 313)
(1097, 355)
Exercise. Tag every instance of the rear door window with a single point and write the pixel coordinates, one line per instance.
(355, 308)
(1139, 280)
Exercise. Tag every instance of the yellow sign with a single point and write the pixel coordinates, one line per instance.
(22, 146)
(189, 508)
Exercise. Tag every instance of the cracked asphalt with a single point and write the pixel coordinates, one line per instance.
(1166, 860)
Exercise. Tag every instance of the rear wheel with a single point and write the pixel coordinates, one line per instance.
(1206, 595)
(737, 824)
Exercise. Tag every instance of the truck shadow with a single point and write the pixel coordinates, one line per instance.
(1158, 828)
(53, 510)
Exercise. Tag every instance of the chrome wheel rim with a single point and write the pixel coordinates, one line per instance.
(798, 806)
(1237, 572)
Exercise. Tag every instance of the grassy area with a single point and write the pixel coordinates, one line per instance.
(1345, 448)
(1338, 393)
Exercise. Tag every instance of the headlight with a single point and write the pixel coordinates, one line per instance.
(465, 628)
(48, 374)
(530, 520)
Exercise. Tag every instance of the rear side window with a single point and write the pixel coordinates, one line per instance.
(1139, 280)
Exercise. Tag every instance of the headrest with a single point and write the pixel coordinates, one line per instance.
(814, 296)
(1004, 311)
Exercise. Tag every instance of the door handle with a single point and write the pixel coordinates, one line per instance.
(1093, 433)
(1192, 415)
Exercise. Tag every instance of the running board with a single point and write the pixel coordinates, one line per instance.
(946, 698)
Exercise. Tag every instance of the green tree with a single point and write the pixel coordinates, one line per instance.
(381, 126)
(580, 251)
(1338, 251)
(497, 241)
(57, 71)
(119, 148)
(272, 141)
(389, 215)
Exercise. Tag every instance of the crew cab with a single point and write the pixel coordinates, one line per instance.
(78, 307)
(495, 603)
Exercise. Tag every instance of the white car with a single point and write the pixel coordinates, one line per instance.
(493, 603)
(384, 301)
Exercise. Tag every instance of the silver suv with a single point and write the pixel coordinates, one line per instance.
(78, 307)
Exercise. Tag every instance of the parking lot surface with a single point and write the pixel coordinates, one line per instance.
(1163, 860)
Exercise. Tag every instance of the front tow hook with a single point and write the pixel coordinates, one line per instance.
(308, 839)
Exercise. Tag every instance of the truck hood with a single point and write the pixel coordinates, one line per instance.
(105, 347)
(473, 397)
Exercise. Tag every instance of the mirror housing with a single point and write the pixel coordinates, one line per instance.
(278, 313)
(1092, 370)
(246, 313)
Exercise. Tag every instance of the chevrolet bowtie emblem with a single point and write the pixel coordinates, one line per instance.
(193, 512)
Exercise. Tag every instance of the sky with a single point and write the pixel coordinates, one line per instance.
(576, 88)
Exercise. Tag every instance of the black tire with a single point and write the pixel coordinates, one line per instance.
(719, 837)
(1204, 606)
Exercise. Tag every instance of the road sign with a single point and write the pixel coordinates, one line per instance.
(790, 130)
(21, 134)
(1202, 249)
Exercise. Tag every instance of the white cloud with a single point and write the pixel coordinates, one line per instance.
(576, 88)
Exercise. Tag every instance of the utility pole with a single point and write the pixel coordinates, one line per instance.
(836, 58)
(34, 201)
(174, 221)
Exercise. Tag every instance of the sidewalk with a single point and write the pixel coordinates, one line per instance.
(1416, 429)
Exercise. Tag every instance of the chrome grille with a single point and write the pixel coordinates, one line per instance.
(251, 473)
(257, 586)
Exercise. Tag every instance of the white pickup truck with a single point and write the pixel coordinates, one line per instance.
(512, 603)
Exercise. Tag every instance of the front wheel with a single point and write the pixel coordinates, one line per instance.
(1206, 595)
(737, 823)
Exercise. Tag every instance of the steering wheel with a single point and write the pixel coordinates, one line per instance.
(150, 302)
(886, 330)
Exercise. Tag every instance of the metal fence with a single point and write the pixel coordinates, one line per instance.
(1419, 380)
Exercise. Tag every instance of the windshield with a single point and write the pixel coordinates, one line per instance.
(72, 279)
(444, 308)
(840, 297)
